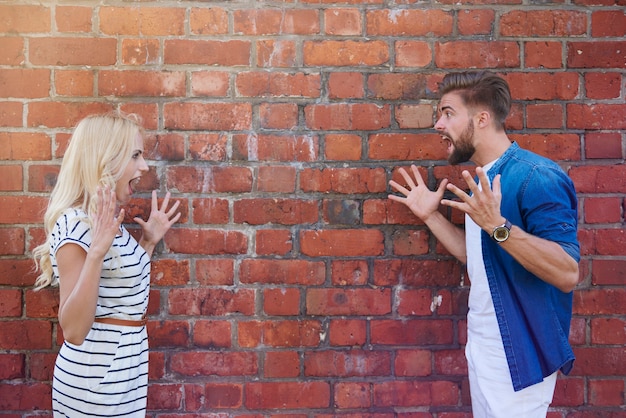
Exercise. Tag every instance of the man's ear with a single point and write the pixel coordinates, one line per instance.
(482, 118)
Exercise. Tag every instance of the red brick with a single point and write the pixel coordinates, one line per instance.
(17, 272)
(25, 146)
(210, 211)
(277, 179)
(206, 241)
(412, 53)
(410, 242)
(414, 302)
(599, 361)
(288, 333)
(603, 209)
(409, 86)
(277, 211)
(341, 211)
(413, 362)
(284, 272)
(599, 179)
(42, 178)
(276, 21)
(210, 301)
(406, 146)
(402, 393)
(341, 242)
(141, 83)
(25, 209)
(411, 332)
(544, 116)
(349, 272)
(346, 181)
(273, 242)
(416, 272)
(208, 116)
(606, 392)
(276, 84)
(345, 53)
(210, 21)
(343, 22)
(409, 22)
(347, 332)
(25, 335)
(164, 396)
(12, 242)
(606, 54)
(73, 51)
(569, 392)
(10, 302)
(42, 304)
(207, 52)
(608, 331)
(543, 86)
(214, 179)
(557, 147)
(208, 147)
(11, 114)
(168, 272)
(169, 334)
(543, 54)
(347, 363)
(608, 23)
(603, 145)
(25, 396)
(140, 51)
(276, 147)
(209, 84)
(276, 53)
(345, 85)
(283, 301)
(148, 21)
(25, 19)
(278, 115)
(349, 395)
(41, 366)
(212, 272)
(348, 302)
(12, 366)
(477, 54)
(476, 22)
(414, 116)
(223, 395)
(73, 18)
(539, 23)
(608, 272)
(342, 147)
(212, 334)
(287, 395)
(25, 83)
(599, 301)
(74, 82)
(62, 114)
(603, 85)
(12, 52)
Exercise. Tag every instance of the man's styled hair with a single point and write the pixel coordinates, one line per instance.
(480, 88)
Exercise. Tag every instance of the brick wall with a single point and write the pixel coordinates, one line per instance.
(292, 286)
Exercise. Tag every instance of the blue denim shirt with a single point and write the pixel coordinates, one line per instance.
(533, 316)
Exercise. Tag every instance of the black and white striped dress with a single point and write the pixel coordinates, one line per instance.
(106, 376)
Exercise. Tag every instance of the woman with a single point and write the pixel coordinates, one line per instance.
(103, 273)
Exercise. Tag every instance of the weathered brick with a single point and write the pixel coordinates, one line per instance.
(605, 54)
(348, 302)
(561, 23)
(207, 52)
(345, 53)
(288, 395)
(341, 242)
(283, 272)
(409, 22)
(278, 211)
(347, 363)
(24, 18)
(477, 54)
(210, 301)
(148, 21)
(275, 147)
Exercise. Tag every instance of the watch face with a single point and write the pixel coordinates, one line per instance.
(501, 234)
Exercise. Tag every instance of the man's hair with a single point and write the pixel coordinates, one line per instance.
(480, 88)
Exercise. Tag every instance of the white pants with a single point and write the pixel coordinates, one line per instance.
(492, 391)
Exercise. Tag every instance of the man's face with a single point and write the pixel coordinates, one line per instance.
(456, 127)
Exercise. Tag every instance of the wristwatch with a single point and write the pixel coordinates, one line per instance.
(501, 233)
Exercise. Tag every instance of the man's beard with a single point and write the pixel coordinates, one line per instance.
(463, 149)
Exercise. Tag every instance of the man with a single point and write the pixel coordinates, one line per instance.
(519, 244)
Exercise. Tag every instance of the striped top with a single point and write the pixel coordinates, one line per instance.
(107, 375)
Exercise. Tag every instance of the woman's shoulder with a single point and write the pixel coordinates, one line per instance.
(73, 222)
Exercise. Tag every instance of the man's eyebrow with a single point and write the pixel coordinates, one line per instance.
(446, 108)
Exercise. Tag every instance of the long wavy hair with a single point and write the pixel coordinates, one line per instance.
(99, 150)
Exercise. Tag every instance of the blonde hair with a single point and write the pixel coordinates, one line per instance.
(99, 151)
